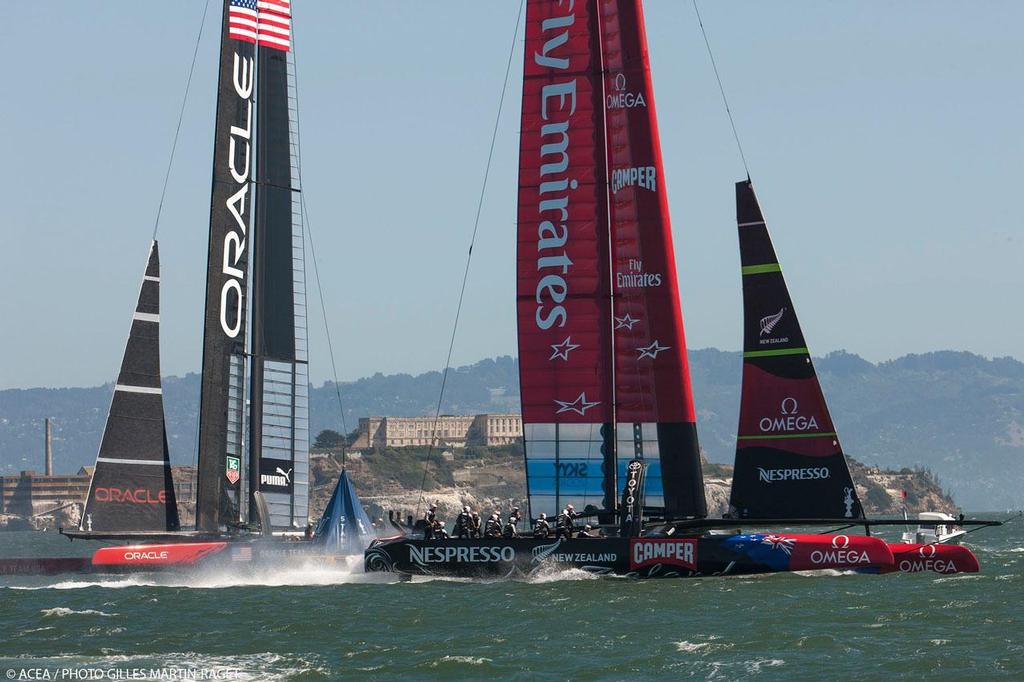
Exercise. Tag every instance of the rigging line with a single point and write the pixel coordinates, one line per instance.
(312, 249)
(721, 89)
(469, 256)
(181, 116)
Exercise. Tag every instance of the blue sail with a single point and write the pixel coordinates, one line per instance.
(344, 528)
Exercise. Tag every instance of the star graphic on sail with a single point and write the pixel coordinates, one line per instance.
(652, 350)
(579, 406)
(562, 350)
(625, 321)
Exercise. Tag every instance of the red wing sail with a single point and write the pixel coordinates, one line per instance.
(564, 316)
(788, 460)
(654, 403)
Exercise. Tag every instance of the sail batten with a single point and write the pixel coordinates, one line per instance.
(789, 463)
(131, 487)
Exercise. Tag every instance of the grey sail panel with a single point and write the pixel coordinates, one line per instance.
(131, 487)
(221, 412)
(279, 411)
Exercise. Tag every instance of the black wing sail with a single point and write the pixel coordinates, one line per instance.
(220, 487)
(131, 487)
(279, 411)
(789, 463)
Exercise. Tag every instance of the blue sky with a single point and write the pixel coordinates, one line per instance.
(883, 137)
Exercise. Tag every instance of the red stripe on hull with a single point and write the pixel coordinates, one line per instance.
(182, 554)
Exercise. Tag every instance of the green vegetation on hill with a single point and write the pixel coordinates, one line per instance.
(957, 414)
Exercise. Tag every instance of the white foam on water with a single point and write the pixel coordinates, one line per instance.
(287, 573)
(64, 611)
(470, 660)
(256, 666)
(554, 574)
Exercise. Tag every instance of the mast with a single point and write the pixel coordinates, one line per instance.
(221, 424)
(789, 463)
(131, 487)
(278, 407)
(653, 395)
(563, 292)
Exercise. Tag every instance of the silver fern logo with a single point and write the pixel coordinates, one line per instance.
(542, 552)
(769, 323)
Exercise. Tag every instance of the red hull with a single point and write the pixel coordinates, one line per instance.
(180, 554)
(938, 558)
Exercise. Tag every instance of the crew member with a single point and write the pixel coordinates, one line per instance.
(564, 523)
(474, 529)
(428, 522)
(493, 527)
(510, 530)
(463, 523)
(438, 530)
(587, 532)
(513, 519)
(542, 529)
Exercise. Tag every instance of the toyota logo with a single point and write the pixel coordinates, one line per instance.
(927, 552)
(840, 542)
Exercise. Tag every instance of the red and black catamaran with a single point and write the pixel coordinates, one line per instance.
(608, 413)
(253, 463)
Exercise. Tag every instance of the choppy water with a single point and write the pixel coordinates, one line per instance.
(320, 624)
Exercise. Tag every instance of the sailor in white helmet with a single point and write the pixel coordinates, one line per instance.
(564, 524)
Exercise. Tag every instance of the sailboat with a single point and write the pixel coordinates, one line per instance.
(608, 413)
(253, 465)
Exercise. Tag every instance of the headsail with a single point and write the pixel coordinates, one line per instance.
(654, 402)
(221, 410)
(789, 463)
(344, 528)
(279, 409)
(131, 487)
(564, 314)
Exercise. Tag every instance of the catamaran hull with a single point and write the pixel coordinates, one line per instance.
(641, 557)
(178, 557)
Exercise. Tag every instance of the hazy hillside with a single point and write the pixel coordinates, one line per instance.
(958, 414)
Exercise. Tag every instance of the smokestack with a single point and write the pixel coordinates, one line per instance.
(49, 449)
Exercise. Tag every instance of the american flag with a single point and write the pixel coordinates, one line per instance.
(266, 22)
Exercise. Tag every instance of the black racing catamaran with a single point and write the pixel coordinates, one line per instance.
(608, 415)
(253, 477)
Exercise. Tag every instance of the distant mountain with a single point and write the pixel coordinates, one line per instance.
(958, 414)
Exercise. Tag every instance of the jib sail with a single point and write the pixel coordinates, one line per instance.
(219, 489)
(789, 463)
(344, 528)
(131, 487)
(654, 402)
(564, 313)
(279, 409)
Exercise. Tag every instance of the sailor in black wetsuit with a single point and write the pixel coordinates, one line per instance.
(493, 527)
(439, 532)
(474, 528)
(587, 532)
(513, 520)
(510, 530)
(542, 529)
(463, 524)
(428, 522)
(564, 523)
